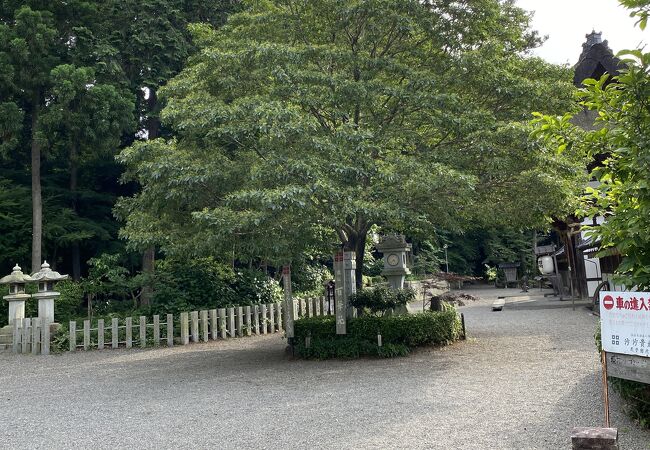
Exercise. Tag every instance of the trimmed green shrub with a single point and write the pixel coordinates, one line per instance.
(379, 300)
(399, 334)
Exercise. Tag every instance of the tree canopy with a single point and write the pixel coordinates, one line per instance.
(306, 123)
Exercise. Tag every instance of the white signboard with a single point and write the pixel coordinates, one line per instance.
(625, 322)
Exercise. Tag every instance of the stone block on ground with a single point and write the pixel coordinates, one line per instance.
(584, 438)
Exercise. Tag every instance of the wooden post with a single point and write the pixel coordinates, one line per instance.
(170, 330)
(16, 344)
(204, 325)
(194, 324)
(45, 338)
(263, 319)
(86, 334)
(36, 335)
(271, 309)
(247, 310)
(129, 332)
(213, 324)
(256, 319)
(143, 331)
(115, 333)
(231, 321)
(323, 306)
(185, 328)
(240, 321)
(302, 312)
(603, 358)
(156, 330)
(73, 336)
(27, 328)
(222, 322)
(100, 334)
(278, 316)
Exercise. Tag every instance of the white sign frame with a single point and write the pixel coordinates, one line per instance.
(625, 322)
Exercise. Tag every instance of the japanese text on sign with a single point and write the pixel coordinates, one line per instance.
(625, 322)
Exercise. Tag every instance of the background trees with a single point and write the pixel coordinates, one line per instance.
(302, 124)
(78, 80)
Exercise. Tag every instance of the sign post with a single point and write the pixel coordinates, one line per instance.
(625, 338)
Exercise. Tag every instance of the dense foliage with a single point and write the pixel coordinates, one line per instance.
(303, 124)
(381, 300)
(399, 334)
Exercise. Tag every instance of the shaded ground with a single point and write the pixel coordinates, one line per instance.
(523, 380)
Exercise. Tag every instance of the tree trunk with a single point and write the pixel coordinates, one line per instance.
(37, 200)
(149, 255)
(360, 251)
(354, 239)
(148, 267)
(74, 174)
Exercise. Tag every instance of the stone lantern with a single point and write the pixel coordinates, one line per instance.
(394, 247)
(46, 294)
(17, 296)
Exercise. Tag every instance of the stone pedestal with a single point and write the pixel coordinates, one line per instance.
(46, 305)
(16, 306)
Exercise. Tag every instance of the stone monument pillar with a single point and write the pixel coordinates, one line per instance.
(46, 294)
(394, 247)
(17, 296)
(345, 279)
(288, 304)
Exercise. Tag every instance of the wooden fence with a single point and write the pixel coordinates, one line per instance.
(238, 321)
(31, 336)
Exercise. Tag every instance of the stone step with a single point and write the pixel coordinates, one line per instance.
(498, 304)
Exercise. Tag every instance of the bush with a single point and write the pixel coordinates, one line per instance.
(399, 334)
(204, 283)
(381, 299)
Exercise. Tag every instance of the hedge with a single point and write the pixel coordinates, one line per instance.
(399, 334)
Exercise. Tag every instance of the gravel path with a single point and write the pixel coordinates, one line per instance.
(522, 381)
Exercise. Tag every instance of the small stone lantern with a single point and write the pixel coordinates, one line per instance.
(46, 294)
(17, 296)
(395, 248)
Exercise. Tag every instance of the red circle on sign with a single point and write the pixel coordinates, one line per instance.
(608, 302)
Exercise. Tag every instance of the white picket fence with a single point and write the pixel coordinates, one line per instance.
(196, 326)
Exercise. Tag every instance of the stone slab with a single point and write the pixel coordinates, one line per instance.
(586, 438)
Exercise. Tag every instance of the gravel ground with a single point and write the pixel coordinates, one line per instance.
(522, 381)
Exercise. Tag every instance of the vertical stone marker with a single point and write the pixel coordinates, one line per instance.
(100, 334)
(114, 333)
(344, 272)
(288, 303)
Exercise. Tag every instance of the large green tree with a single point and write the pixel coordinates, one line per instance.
(301, 123)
